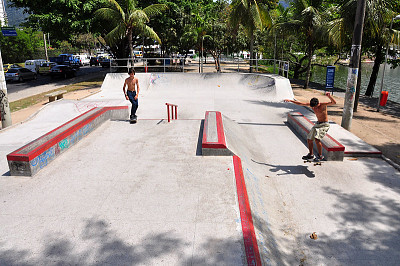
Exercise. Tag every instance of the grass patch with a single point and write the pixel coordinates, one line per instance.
(35, 99)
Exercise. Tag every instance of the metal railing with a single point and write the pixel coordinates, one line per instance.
(200, 65)
(174, 111)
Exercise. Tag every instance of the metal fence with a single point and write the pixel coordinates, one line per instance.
(201, 65)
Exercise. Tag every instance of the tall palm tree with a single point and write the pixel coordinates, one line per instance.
(309, 18)
(127, 19)
(252, 15)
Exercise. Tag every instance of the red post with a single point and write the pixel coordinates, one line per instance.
(174, 114)
(168, 112)
(384, 97)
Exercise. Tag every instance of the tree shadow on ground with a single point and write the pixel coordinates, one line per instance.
(368, 231)
(100, 245)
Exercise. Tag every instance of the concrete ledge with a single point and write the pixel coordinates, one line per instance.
(57, 94)
(214, 142)
(31, 158)
(331, 148)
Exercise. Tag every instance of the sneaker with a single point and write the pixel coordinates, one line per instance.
(308, 157)
(318, 158)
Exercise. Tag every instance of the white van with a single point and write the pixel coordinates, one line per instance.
(83, 59)
(33, 65)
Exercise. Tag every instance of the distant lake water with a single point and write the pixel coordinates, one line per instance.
(391, 80)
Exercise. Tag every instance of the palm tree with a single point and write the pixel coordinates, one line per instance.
(127, 20)
(252, 15)
(309, 18)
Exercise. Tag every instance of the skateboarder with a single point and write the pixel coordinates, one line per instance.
(132, 94)
(319, 130)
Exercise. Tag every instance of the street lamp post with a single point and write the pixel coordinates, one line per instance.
(384, 66)
(202, 48)
(5, 113)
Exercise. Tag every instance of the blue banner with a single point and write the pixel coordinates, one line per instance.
(330, 77)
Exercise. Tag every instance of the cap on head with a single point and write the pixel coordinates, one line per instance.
(314, 102)
(131, 70)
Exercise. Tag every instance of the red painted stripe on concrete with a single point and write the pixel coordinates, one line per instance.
(48, 133)
(362, 152)
(339, 146)
(51, 142)
(15, 156)
(249, 235)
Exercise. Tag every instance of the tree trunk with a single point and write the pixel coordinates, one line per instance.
(308, 67)
(130, 44)
(251, 51)
(375, 70)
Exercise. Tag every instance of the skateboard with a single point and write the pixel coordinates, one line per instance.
(133, 121)
(312, 161)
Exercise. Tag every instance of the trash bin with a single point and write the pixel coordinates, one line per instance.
(384, 97)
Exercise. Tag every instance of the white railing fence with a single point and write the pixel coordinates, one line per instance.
(204, 65)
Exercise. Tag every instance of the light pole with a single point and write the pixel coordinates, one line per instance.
(384, 66)
(354, 65)
(202, 40)
(5, 114)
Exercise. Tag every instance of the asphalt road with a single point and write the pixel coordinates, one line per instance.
(13, 87)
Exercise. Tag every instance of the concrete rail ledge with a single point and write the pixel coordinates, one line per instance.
(31, 158)
(331, 148)
(214, 142)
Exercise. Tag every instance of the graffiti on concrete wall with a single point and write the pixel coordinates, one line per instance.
(3, 104)
(43, 159)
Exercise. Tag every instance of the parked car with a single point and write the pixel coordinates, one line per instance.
(105, 62)
(6, 67)
(94, 61)
(33, 65)
(83, 59)
(62, 71)
(19, 74)
(45, 68)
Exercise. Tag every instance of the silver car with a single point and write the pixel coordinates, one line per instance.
(19, 74)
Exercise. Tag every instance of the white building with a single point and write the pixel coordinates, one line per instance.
(3, 14)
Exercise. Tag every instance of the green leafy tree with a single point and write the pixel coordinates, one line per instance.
(379, 14)
(22, 47)
(309, 18)
(128, 20)
(73, 17)
(252, 15)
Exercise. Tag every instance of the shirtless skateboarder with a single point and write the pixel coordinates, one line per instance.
(132, 94)
(319, 130)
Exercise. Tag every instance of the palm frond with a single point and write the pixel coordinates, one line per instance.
(146, 31)
(114, 5)
(155, 9)
(107, 14)
(116, 34)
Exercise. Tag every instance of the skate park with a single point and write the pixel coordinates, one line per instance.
(145, 194)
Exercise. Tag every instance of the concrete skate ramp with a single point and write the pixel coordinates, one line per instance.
(274, 88)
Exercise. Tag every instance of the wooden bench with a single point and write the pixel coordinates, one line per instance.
(57, 94)
(331, 148)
